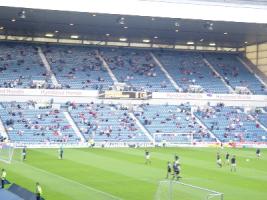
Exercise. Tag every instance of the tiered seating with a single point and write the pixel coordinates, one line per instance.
(106, 123)
(261, 117)
(20, 64)
(188, 68)
(77, 67)
(138, 69)
(171, 119)
(230, 123)
(26, 124)
(234, 72)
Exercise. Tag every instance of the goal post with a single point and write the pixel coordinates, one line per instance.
(173, 139)
(6, 152)
(176, 190)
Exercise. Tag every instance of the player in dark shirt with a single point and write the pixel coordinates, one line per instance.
(219, 160)
(147, 157)
(24, 153)
(233, 163)
(176, 171)
(61, 152)
(227, 158)
(169, 169)
(258, 153)
(176, 159)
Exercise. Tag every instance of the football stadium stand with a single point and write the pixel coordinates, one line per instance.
(232, 124)
(28, 123)
(25, 123)
(137, 69)
(20, 66)
(77, 67)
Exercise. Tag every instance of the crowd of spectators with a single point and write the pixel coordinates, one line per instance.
(20, 66)
(230, 123)
(77, 67)
(110, 122)
(24, 121)
(189, 69)
(104, 122)
(235, 73)
(171, 119)
(136, 68)
(81, 68)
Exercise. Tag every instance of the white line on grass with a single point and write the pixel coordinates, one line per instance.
(70, 180)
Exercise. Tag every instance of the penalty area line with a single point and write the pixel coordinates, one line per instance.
(72, 181)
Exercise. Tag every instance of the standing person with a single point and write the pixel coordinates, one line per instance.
(258, 152)
(219, 160)
(169, 169)
(38, 191)
(176, 159)
(91, 142)
(164, 142)
(61, 152)
(176, 171)
(227, 158)
(24, 153)
(233, 163)
(147, 157)
(3, 178)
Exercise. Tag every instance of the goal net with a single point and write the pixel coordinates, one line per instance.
(6, 152)
(173, 139)
(175, 190)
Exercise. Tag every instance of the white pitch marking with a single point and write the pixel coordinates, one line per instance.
(70, 180)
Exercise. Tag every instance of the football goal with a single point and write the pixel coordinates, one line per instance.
(6, 152)
(175, 190)
(173, 139)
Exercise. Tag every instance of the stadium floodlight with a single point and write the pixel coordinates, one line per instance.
(56, 31)
(125, 27)
(49, 35)
(176, 24)
(146, 40)
(13, 20)
(212, 44)
(225, 33)
(190, 43)
(22, 14)
(1, 28)
(156, 37)
(71, 24)
(121, 20)
(209, 26)
(123, 39)
(107, 34)
(74, 36)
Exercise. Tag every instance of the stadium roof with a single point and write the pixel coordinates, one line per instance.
(112, 27)
(220, 10)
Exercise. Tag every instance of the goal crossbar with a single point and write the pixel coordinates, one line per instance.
(173, 138)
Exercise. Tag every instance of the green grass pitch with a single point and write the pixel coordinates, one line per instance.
(120, 173)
